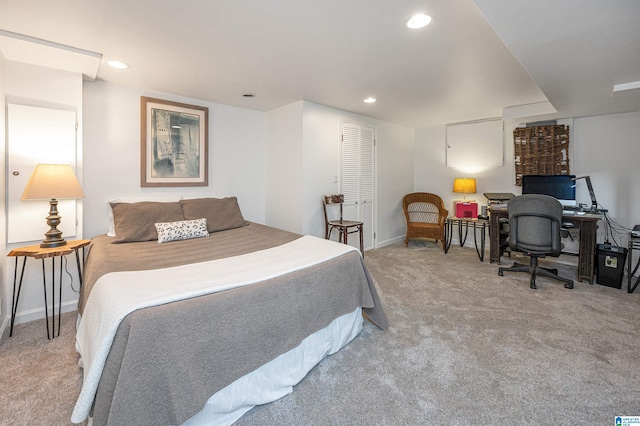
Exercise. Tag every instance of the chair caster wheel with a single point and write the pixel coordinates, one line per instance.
(500, 273)
(533, 286)
(569, 285)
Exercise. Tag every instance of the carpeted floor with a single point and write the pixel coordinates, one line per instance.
(464, 347)
(39, 378)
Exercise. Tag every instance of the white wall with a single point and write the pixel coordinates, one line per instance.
(49, 88)
(607, 148)
(284, 164)
(321, 159)
(112, 154)
(395, 179)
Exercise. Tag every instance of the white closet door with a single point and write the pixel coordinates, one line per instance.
(37, 135)
(350, 167)
(357, 173)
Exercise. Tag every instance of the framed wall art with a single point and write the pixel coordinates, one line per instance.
(174, 144)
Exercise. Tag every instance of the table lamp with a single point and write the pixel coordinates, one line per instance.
(53, 182)
(464, 186)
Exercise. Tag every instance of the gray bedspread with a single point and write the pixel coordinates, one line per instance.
(167, 360)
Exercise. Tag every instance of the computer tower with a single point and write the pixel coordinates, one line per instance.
(610, 265)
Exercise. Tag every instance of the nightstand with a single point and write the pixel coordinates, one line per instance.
(38, 252)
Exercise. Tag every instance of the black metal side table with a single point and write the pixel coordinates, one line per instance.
(634, 244)
(479, 230)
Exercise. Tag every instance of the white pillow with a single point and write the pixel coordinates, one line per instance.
(112, 228)
(181, 230)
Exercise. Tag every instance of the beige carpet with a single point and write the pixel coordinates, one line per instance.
(464, 347)
(39, 378)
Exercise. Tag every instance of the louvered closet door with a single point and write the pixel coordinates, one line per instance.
(357, 173)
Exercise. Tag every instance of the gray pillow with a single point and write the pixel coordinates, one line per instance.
(221, 213)
(136, 221)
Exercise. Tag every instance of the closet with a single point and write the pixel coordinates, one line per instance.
(357, 177)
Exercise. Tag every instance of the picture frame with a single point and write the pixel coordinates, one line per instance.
(173, 144)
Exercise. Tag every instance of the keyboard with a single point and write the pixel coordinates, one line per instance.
(569, 212)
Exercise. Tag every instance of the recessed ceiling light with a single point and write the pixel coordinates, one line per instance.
(117, 64)
(418, 21)
(370, 100)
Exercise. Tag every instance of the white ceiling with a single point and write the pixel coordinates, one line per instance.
(474, 59)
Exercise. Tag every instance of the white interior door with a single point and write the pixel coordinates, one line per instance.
(37, 135)
(357, 182)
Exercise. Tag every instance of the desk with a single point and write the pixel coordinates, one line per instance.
(587, 225)
(634, 244)
(38, 252)
(477, 224)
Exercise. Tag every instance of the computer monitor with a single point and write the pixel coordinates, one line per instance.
(562, 187)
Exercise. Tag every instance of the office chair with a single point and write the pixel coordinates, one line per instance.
(534, 229)
(344, 227)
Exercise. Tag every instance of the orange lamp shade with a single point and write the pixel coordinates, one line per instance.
(464, 185)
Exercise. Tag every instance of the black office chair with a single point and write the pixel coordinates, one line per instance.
(534, 229)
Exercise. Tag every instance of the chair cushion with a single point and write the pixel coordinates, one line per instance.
(423, 212)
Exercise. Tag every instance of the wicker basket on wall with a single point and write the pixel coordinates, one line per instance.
(541, 150)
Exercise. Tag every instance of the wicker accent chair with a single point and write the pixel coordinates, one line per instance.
(426, 216)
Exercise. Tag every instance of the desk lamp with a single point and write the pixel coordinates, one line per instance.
(592, 194)
(465, 208)
(53, 182)
(464, 186)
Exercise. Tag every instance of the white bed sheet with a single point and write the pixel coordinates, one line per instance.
(276, 378)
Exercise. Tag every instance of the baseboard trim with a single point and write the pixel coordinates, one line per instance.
(390, 241)
(454, 241)
(4, 328)
(38, 313)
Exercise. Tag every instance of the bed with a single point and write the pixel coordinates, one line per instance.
(178, 323)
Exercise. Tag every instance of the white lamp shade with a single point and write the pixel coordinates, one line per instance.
(53, 181)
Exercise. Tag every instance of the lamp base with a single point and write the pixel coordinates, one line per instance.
(54, 235)
(46, 243)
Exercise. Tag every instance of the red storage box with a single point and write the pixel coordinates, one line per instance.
(467, 210)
